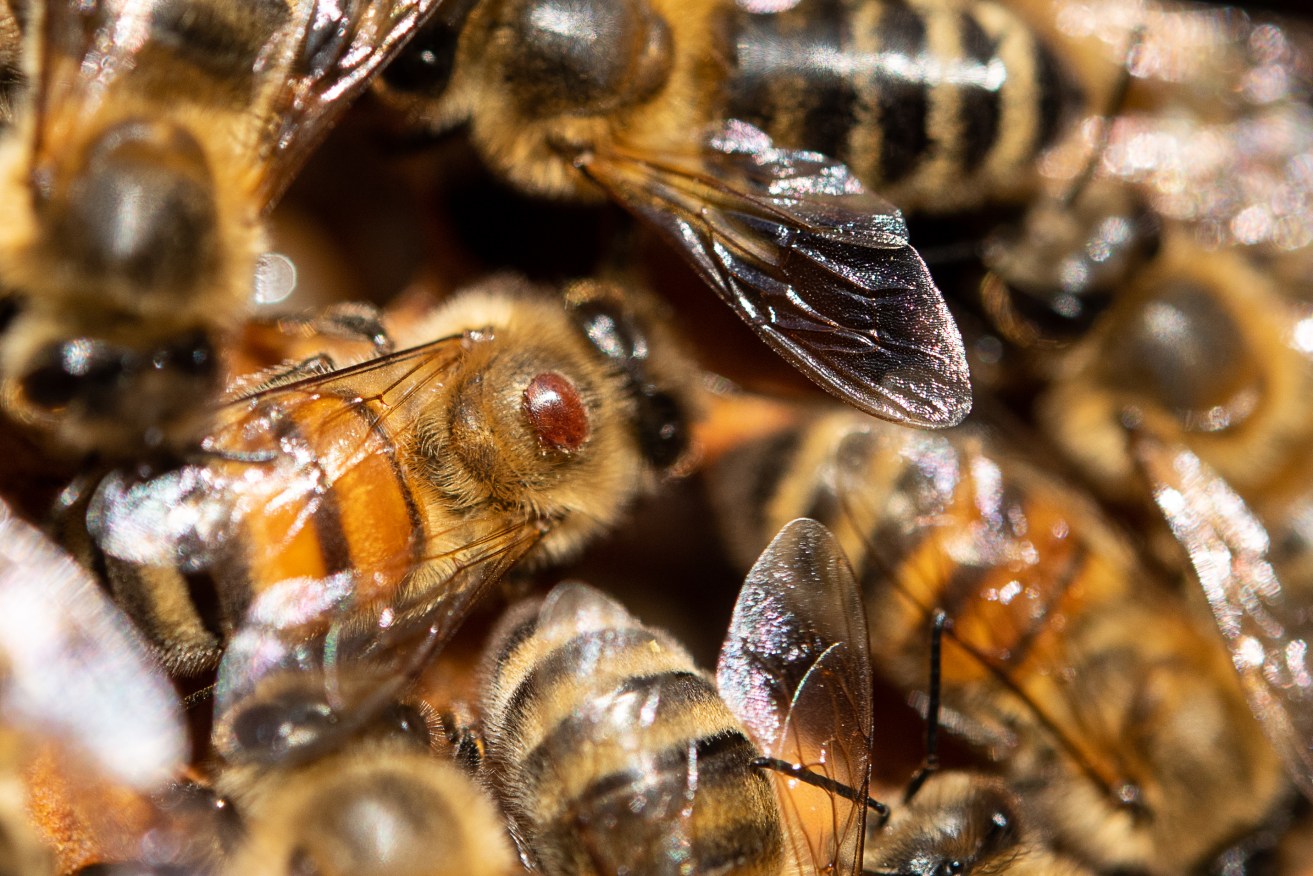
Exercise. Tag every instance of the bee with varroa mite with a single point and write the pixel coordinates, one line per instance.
(334, 530)
(723, 126)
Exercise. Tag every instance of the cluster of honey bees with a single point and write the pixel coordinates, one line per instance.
(352, 415)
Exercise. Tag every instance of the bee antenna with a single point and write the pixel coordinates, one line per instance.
(931, 763)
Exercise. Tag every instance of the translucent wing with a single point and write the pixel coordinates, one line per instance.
(303, 506)
(316, 659)
(796, 671)
(340, 44)
(72, 670)
(1267, 626)
(649, 796)
(270, 468)
(821, 269)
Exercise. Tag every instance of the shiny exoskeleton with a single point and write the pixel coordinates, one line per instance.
(371, 506)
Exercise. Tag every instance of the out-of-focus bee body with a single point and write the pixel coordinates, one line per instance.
(385, 803)
(1205, 351)
(1112, 736)
(11, 63)
(91, 729)
(543, 675)
(370, 506)
(152, 139)
(615, 754)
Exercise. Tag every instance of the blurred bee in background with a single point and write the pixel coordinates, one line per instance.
(1188, 158)
(89, 728)
(153, 137)
(937, 106)
(1136, 751)
(385, 803)
(1265, 623)
(614, 754)
(335, 530)
(11, 63)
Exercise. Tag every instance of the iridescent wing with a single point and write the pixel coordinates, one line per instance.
(72, 669)
(316, 659)
(796, 670)
(821, 269)
(340, 44)
(269, 466)
(301, 502)
(1267, 626)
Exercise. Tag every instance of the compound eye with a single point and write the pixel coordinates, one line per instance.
(663, 430)
(77, 369)
(424, 66)
(192, 354)
(556, 413)
(268, 732)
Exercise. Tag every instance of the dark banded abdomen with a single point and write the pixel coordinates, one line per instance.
(332, 497)
(614, 751)
(937, 105)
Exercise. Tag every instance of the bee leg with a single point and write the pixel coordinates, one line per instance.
(931, 762)
(839, 789)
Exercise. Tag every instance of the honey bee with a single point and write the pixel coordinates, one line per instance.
(938, 105)
(615, 754)
(963, 822)
(335, 530)
(1132, 750)
(1201, 349)
(383, 804)
(153, 137)
(77, 689)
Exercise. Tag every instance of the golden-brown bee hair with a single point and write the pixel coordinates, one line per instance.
(481, 448)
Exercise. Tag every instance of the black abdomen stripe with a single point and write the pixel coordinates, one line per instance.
(902, 96)
(980, 108)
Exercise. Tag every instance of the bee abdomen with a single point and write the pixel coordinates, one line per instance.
(936, 104)
(612, 746)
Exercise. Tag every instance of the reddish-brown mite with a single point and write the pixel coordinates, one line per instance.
(556, 412)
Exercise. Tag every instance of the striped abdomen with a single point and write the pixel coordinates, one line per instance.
(935, 104)
(613, 751)
(312, 486)
(944, 521)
